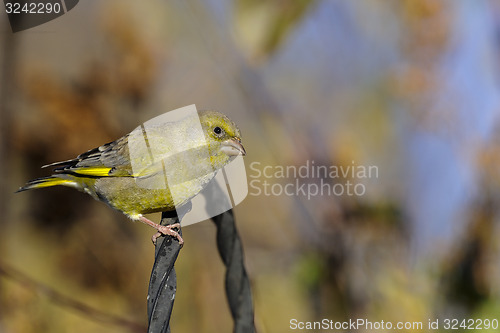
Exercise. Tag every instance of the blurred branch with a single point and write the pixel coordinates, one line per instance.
(286, 16)
(68, 302)
(8, 67)
(467, 278)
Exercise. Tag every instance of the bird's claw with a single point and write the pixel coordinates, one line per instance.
(168, 230)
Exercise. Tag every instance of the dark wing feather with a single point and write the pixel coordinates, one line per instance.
(113, 155)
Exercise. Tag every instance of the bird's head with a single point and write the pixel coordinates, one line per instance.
(223, 137)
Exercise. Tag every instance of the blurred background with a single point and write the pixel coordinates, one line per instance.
(409, 86)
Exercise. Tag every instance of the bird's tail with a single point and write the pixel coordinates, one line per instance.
(47, 182)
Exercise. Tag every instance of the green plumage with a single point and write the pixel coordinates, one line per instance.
(156, 167)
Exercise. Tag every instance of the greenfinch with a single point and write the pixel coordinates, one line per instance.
(157, 167)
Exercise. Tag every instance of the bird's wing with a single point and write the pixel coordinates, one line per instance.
(152, 157)
(109, 160)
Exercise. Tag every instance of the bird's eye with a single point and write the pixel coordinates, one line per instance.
(217, 130)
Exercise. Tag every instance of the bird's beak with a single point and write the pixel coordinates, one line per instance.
(233, 147)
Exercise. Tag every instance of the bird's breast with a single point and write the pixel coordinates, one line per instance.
(130, 196)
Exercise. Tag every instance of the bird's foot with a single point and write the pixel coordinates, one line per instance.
(163, 230)
(168, 230)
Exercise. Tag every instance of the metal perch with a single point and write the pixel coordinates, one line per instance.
(163, 281)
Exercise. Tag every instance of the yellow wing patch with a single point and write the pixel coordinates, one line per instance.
(51, 182)
(93, 171)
